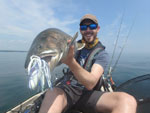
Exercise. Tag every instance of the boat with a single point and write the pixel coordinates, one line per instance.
(32, 105)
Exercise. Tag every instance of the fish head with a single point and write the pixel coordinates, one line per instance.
(50, 46)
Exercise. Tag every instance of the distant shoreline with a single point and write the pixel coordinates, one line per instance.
(13, 51)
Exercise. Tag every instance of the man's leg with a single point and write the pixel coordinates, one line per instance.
(54, 101)
(116, 102)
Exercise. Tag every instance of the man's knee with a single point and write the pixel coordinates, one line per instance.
(54, 101)
(56, 92)
(112, 101)
(126, 99)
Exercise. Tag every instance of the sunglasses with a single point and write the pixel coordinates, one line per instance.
(91, 26)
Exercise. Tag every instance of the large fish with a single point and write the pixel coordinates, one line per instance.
(50, 46)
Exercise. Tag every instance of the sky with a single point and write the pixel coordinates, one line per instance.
(22, 20)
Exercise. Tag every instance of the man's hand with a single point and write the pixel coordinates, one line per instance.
(70, 56)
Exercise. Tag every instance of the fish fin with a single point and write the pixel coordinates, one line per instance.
(73, 39)
(80, 46)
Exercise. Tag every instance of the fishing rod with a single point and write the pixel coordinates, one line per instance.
(116, 41)
(123, 46)
(112, 68)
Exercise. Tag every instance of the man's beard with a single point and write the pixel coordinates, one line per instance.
(90, 42)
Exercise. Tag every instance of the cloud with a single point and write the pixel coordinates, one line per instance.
(25, 19)
(15, 30)
(31, 16)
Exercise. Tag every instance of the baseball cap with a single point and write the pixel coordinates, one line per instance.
(90, 17)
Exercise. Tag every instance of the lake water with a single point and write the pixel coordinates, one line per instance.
(14, 82)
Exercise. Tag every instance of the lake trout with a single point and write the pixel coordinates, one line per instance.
(48, 48)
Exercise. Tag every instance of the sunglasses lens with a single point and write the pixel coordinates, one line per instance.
(93, 26)
(83, 27)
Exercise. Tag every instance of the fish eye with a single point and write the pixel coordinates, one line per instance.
(39, 47)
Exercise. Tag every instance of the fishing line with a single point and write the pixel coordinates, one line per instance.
(109, 73)
(123, 45)
(114, 50)
(112, 68)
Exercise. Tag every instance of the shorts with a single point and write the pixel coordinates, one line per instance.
(79, 99)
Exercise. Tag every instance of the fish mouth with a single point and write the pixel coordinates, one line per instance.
(47, 55)
(43, 56)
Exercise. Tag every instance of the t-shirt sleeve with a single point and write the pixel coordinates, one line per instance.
(102, 59)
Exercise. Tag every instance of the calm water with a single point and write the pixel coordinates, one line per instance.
(13, 79)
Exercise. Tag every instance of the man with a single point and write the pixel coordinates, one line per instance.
(78, 91)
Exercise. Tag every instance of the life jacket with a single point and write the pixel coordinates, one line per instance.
(90, 59)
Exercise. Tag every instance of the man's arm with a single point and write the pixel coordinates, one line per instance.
(88, 79)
